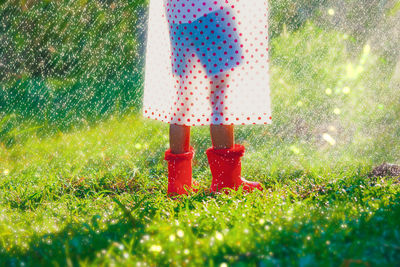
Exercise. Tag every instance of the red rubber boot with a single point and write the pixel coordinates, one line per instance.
(180, 172)
(225, 165)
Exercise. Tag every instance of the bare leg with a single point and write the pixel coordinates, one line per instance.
(222, 136)
(179, 138)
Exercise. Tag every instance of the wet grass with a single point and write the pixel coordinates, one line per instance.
(96, 195)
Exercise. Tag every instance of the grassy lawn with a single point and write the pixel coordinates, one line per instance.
(96, 195)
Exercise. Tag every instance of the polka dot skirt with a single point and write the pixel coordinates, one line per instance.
(207, 62)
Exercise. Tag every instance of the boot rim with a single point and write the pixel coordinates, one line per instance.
(236, 151)
(186, 155)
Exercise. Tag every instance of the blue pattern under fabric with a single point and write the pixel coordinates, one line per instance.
(213, 38)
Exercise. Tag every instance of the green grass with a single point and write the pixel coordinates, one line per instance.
(96, 195)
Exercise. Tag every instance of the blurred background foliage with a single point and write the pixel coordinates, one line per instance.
(68, 64)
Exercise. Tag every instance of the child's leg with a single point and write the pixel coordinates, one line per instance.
(222, 136)
(179, 138)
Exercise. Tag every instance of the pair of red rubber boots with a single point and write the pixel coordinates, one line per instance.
(225, 165)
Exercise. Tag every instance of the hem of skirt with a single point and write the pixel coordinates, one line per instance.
(263, 121)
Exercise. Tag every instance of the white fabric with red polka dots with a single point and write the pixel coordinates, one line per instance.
(207, 62)
(183, 11)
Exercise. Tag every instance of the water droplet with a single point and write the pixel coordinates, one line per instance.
(180, 233)
(294, 149)
(155, 248)
(328, 138)
(138, 146)
(346, 90)
(219, 236)
(336, 111)
(172, 238)
(328, 91)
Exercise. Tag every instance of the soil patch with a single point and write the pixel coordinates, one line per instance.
(386, 169)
